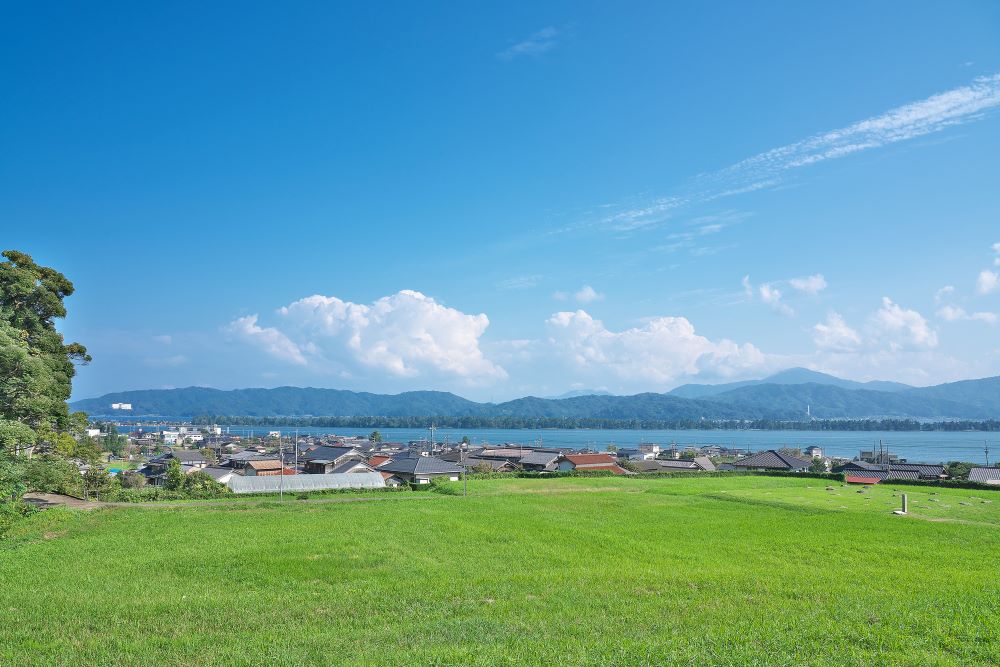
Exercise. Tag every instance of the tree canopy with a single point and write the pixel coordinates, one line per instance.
(36, 365)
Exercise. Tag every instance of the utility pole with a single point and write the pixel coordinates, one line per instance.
(465, 472)
(986, 449)
(281, 470)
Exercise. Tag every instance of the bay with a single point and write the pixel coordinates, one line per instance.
(914, 446)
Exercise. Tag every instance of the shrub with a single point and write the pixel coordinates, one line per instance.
(200, 485)
(12, 484)
(53, 474)
(11, 513)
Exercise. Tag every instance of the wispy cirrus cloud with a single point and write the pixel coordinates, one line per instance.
(534, 45)
(772, 168)
(585, 294)
(519, 282)
(810, 284)
(917, 119)
(958, 314)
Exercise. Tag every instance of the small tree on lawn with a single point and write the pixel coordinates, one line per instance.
(175, 476)
(817, 465)
(97, 481)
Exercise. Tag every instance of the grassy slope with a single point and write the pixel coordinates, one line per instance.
(733, 571)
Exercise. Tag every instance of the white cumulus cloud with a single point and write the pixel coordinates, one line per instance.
(901, 327)
(835, 334)
(269, 339)
(988, 281)
(660, 351)
(587, 294)
(405, 335)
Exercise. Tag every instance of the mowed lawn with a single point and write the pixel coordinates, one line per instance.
(721, 571)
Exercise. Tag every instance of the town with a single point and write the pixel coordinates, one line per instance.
(276, 462)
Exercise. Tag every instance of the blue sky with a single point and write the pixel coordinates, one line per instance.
(500, 200)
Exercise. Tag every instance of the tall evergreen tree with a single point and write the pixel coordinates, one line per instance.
(36, 365)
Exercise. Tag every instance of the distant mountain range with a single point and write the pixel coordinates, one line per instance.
(790, 376)
(784, 396)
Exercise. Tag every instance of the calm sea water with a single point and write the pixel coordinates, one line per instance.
(933, 447)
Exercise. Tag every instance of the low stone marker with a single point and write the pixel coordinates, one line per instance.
(902, 511)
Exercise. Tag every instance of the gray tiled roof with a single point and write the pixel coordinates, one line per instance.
(773, 460)
(325, 453)
(244, 456)
(884, 474)
(496, 464)
(349, 465)
(681, 464)
(984, 474)
(420, 465)
(185, 456)
(898, 470)
(539, 458)
(217, 473)
(704, 463)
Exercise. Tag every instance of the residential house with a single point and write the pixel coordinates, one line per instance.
(590, 463)
(985, 475)
(416, 469)
(328, 453)
(540, 461)
(773, 460)
(634, 454)
(882, 471)
(377, 460)
(266, 468)
(495, 465)
(220, 475)
(345, 465)
(697, 464)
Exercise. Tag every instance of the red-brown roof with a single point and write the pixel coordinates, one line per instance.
(377, 460)
(853, 479)
(265, 465)
(590, 459)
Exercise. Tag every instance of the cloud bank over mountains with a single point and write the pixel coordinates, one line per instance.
(410, 336)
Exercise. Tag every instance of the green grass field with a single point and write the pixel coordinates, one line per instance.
(608, 571)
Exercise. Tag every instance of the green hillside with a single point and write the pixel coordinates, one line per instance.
(784, 400)
(702, 571)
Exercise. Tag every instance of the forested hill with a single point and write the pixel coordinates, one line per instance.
(972, 399)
